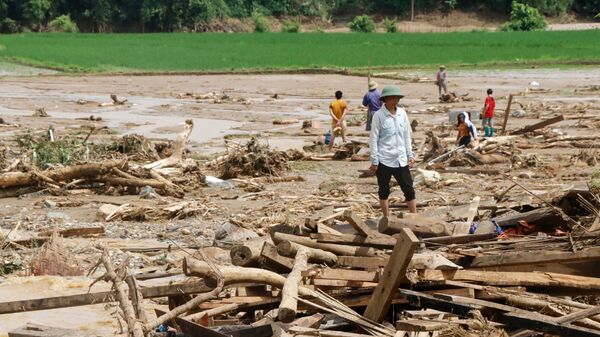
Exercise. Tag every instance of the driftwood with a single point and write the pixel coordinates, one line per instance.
(248, 254)
(237, 275)
(134, 325)
(422, 226)
(539, 125)
(176, 158)
(14, 179)
(288, 248)
(289, 293)
(336, 249)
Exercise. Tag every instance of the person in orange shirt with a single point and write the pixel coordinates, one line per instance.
(466, 129)
(338, 110)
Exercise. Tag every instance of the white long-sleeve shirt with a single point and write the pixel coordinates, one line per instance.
(391, 143)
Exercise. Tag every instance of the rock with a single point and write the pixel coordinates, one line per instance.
(105, 210)
(186, 231)
(148, 192)
(427, 177)
(230, 233)
(49, 204)
(57, 216)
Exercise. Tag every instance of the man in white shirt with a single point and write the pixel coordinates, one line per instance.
(391, 149)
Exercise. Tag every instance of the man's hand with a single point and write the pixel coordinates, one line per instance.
(373, 169)
(339, 123)
(411, 162)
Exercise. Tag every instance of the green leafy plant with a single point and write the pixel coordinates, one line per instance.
(261, 23)
(390, 25)
(63, 24)
(291, 26)
(524, 18)
(9, 26)
(362, 24)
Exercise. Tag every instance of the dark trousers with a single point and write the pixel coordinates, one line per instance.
(465, 140)
(402, 176)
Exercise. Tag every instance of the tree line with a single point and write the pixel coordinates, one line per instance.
(196, 15)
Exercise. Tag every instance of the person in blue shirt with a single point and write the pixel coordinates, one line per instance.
(372, 102)
(391, 149)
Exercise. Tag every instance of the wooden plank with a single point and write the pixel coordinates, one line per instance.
(458, 239)
(358, 225)
(98, 297)
(362, 262)
(533, 279)
(532, 257)
(356, 240)
(270, 256)
(420, 325)
(544, 323)
(341, 283)
(344, 250)
(393, 274)
(577, 315)
(539, 125)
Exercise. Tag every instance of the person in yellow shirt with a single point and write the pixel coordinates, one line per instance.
(338, 110)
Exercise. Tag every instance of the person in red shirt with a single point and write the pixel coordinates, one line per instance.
(488, 114)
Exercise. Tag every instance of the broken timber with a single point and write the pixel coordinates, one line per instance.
(394, 272)
(539, 125)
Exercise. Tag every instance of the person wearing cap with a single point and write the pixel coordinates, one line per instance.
(391, 149)
(372, 102)
(440, 80)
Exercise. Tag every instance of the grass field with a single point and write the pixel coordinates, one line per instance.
(181, 52)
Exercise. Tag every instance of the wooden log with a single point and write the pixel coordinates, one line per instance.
(577, 315)
(271, 260)
(336, 249)
(77, 231)
(422, 226)
(546, 216)
(381, 242)
(458, 239)
(507, 113)
(237, 275)
(247, 254)
(289, 293)
(94, 170)
(288, 248)
(539, 125)
(134, 326)
(135, 182)
(393, 274)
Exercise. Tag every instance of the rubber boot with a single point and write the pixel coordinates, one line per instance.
(486, 131)
(491, 132)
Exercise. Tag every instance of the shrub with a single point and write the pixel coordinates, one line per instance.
(9, 26)
(63, 24)
(291, 26)
(362, 24)
(261, 23)
(390, 25)
(524, 18)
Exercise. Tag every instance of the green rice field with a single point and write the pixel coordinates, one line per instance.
(206, 52)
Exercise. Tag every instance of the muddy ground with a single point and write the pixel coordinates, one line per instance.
(158, 107)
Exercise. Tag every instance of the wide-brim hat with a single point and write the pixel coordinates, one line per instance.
(372, 85)
(391, 90)
(442, 67)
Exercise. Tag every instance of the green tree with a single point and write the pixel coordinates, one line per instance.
(362, 24)
(63, 24)
(525, 18)
(35, 12)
